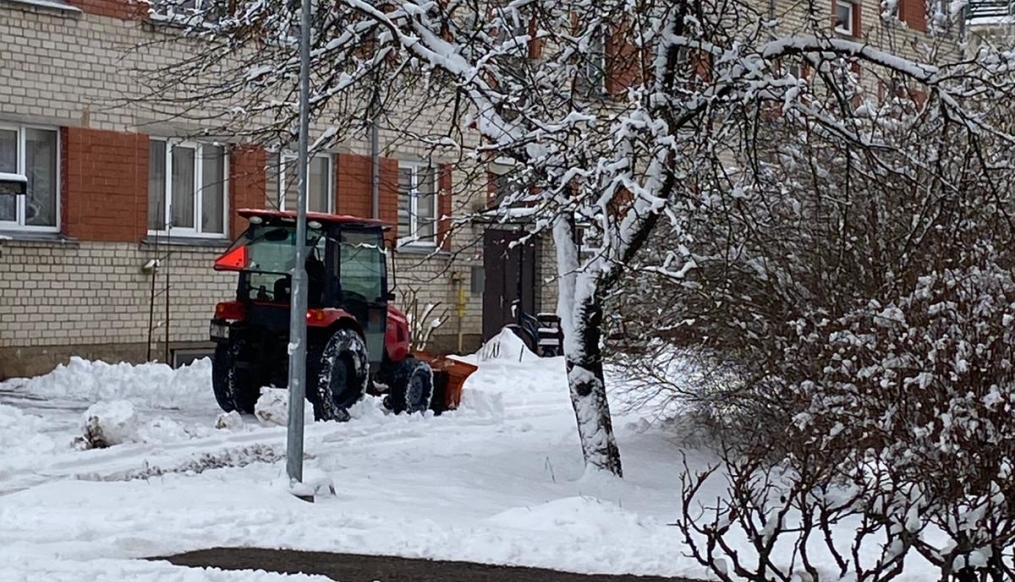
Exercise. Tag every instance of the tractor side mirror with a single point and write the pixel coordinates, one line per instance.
(390, 296)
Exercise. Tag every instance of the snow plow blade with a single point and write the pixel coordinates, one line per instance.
(448, 379)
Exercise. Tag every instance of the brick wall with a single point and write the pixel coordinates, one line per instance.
(353, 185)
(58, 295)
(121, 9)
(105, 185)
(247, 183)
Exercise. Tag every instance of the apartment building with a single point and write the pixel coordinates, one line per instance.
(110, 221)
(110, 218)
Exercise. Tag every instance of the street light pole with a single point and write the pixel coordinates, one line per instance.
(298, 305)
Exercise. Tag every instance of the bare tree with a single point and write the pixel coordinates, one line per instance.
(609, 112)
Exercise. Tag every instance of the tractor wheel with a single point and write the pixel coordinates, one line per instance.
(232, 379)
(343, 379)
(412, 386)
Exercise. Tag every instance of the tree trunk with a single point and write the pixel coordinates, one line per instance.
(581, 313)
(588, 391)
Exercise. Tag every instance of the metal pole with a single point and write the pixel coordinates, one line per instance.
(298, 306)
(169, 235)
(375, 153)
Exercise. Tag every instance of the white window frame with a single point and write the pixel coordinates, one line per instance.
(22, 175)
(196, 231)
(285, 158)
(848, 28)
(410, 239)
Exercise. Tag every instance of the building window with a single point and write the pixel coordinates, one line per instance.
(845, 17)
(417, 204)
(592, 80)
(320, 196)
(29, 164)
(186, 188)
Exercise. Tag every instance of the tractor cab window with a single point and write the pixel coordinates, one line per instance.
(361, 265)
(271, 256)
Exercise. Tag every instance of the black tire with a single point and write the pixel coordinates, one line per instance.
(232, 379)
(411, 387)
(343, 378)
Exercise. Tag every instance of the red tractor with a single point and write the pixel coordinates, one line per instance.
(357, 342)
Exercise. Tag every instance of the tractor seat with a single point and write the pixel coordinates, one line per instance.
(283, 290)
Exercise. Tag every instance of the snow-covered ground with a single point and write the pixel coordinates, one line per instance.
(500, 480)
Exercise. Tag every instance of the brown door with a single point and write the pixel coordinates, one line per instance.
(510, 274)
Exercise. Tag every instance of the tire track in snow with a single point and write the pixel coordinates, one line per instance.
(130, 461)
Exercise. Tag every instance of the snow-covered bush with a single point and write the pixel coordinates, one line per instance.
(864, 305)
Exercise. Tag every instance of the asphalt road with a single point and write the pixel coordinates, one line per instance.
(359, 568)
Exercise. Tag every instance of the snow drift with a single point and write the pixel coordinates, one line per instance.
(144, 385)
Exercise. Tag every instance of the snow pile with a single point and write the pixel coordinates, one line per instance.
(22, 433)
(580, 516)
(273, 407)
(505, 346)
(482, 403)
(315, 483)
(229, 420)
(144, 385)
(109, 423)
(106, 424)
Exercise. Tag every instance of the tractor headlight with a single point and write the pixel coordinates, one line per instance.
(219, 330)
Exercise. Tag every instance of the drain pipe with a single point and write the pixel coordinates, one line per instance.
(375, 150)
(375, 157)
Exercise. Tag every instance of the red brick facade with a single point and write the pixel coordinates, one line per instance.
(105, 185)
(914, 14)
(122, 9)
(247, 183)
(104, 193)
(353, 185)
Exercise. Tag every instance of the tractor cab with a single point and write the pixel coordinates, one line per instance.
(346, 274)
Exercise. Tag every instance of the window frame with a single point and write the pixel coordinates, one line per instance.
(282, 181)
(411, 239)
(850, 29)
(196, 231)
(597, 65)
(20, 203)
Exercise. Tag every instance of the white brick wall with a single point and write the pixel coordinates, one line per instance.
(55, 294)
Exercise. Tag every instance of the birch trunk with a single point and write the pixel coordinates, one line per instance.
(581, 314)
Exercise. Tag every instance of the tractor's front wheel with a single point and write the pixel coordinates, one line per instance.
(231, 378)
(412, 386)
(343, 377)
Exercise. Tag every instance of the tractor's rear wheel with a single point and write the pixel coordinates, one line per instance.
(412, 386)
(343, 377)
(232, 377)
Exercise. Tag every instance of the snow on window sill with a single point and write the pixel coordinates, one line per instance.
(59, 5)
(421, 249)
(15, 237)
(155, 239)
